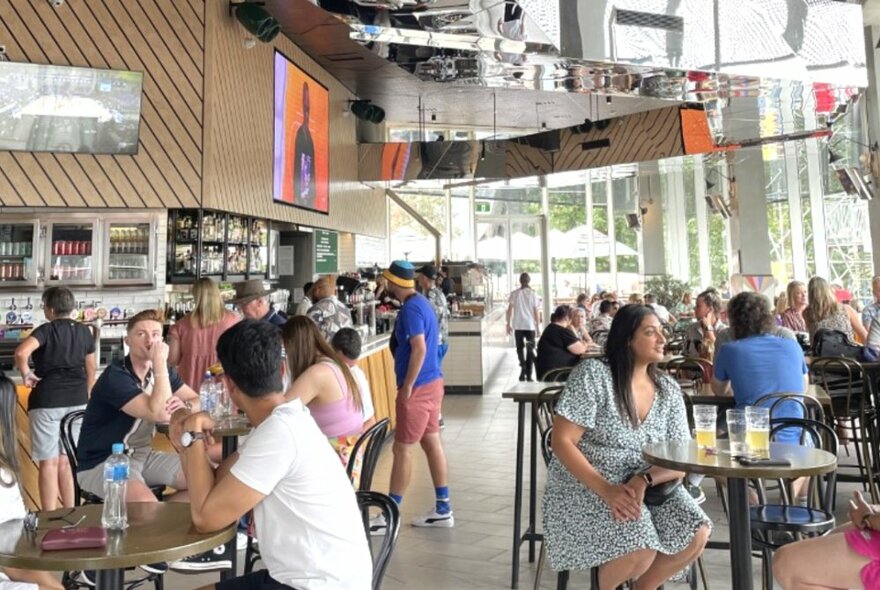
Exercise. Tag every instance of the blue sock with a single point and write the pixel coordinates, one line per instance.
(397, 499)
(442, 505)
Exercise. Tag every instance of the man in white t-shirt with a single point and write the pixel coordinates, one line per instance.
(662, 313)
(523, 321)
(307, 520)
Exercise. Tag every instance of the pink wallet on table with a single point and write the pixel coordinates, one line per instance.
(88, 537)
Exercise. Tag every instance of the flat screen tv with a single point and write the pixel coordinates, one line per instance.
(302, 129)
(46, 108)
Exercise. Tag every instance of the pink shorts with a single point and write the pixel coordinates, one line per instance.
(869, 548)
(420, 414)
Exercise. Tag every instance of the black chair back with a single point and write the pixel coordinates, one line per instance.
(369, 446)
(811, 408)
(820, 436)
(545, 406)
(389, 509)
(68, 443)
(547, 445)
(690, 372)
(559, 375)
(844, 380)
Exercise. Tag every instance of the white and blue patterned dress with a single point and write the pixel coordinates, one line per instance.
(579, 528)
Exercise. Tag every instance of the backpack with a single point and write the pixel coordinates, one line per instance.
(835, 343)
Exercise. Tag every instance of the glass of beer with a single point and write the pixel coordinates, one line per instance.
(705, 417)
(758, 426)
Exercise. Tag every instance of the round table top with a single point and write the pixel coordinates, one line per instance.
(685, 456)
(234, 426)
(157, 531)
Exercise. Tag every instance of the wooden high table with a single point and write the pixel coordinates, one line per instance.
(157, 532)
(685, 456)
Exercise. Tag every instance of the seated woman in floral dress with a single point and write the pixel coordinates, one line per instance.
(594, 511)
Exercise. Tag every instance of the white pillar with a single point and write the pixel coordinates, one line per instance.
(653, 248)
(872, 95)
(702, 222)
(545, 247)
(612, 238)
(796, 214)
(591, 242)
(679, 265)
(750, 233)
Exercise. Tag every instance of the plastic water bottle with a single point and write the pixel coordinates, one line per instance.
(207, 394)
(116, 467)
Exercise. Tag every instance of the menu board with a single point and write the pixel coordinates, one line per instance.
(326, 252)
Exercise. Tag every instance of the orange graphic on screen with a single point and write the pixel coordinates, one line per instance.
(305, 178)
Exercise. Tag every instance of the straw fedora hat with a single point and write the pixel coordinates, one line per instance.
(251, 289)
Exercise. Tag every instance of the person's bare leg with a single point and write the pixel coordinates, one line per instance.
(401, 468)
(65, 481)
(48, 483)
(821, 563)
(433, 447)
(666, 566)
(617, 571)
(137, 491)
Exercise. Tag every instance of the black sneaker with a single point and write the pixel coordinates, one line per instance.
(86, 577)
(204, 562)
(696, 492)
(155, 568)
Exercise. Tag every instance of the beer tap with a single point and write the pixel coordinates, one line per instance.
(29, 307)
(12, 305)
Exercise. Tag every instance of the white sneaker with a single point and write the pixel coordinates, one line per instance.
(435, 519)
(378, 526)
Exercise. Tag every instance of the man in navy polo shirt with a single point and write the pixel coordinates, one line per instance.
(419, 394)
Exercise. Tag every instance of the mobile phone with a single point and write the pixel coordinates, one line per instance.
(763, 462)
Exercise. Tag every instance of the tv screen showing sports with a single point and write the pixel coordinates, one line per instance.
(302, 129)
(46, 108)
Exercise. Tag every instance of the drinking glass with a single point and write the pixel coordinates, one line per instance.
(758, 426)
(705, 417)
(736, 428)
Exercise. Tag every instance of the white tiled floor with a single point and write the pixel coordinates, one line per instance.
(480, 440)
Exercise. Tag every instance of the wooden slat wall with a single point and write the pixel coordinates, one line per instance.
(29, 473)
(162, 38)
(239, 134)
(379, 369)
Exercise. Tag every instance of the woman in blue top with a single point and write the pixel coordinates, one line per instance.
(756, 363)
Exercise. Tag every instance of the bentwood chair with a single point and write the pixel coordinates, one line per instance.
(852, 407)
(690, 372)
(775, 525)
(809, 407)
(389, 509)
(559, 375)
(368, 449)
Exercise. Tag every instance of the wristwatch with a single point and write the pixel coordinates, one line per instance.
(188, 438)
(646, 475)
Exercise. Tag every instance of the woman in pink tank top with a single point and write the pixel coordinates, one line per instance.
(192, 342)
(322, 381)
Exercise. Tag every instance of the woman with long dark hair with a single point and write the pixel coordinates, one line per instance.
(11, 503)
(594, 510)
(323, 382)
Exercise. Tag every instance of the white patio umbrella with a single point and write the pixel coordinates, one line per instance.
(494, 248)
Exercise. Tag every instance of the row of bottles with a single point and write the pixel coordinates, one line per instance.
(130, 239)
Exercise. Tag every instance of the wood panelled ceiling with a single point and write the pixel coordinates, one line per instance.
(162, 38)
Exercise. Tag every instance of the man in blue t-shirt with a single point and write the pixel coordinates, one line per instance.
(757, 363)
(419, 394)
